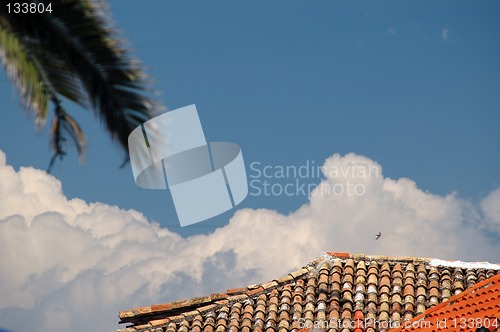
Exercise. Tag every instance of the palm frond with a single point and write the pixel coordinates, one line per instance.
(76, 53)
(25, 68)
(89, 46)
(23, 72)
(60, 78)
(63, 125)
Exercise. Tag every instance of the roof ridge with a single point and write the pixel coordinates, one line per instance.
(432, 261)
(181, 309)
(231, 295)
(203, 304)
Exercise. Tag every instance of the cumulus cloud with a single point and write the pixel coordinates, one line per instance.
(70, 265)
(491, 210)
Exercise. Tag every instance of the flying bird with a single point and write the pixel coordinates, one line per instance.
(378, 236)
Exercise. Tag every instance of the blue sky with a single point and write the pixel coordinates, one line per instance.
(411, 86)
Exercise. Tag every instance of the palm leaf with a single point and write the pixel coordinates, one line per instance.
(74, 52)
(63, 125)
(30, 75)
(23, 72)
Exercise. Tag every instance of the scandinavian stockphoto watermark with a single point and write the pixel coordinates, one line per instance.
(205, 179)
(307, 179)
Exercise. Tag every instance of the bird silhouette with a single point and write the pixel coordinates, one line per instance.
(378, 236)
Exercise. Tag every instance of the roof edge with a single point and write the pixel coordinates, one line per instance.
(181, 309)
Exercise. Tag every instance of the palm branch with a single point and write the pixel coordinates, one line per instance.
(74, 53)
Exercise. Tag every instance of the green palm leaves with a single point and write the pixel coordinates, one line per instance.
(73, 53)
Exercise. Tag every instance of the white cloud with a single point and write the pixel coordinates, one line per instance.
(445, 33)
(70, 265)
(491, 208)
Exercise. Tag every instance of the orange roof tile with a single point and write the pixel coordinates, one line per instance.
(476, 307)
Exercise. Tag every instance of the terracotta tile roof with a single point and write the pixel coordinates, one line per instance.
(475, 307)
(337, 291)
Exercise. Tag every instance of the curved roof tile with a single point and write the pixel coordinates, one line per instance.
(336, 290)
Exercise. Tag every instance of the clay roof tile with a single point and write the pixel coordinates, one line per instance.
(336, 286)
